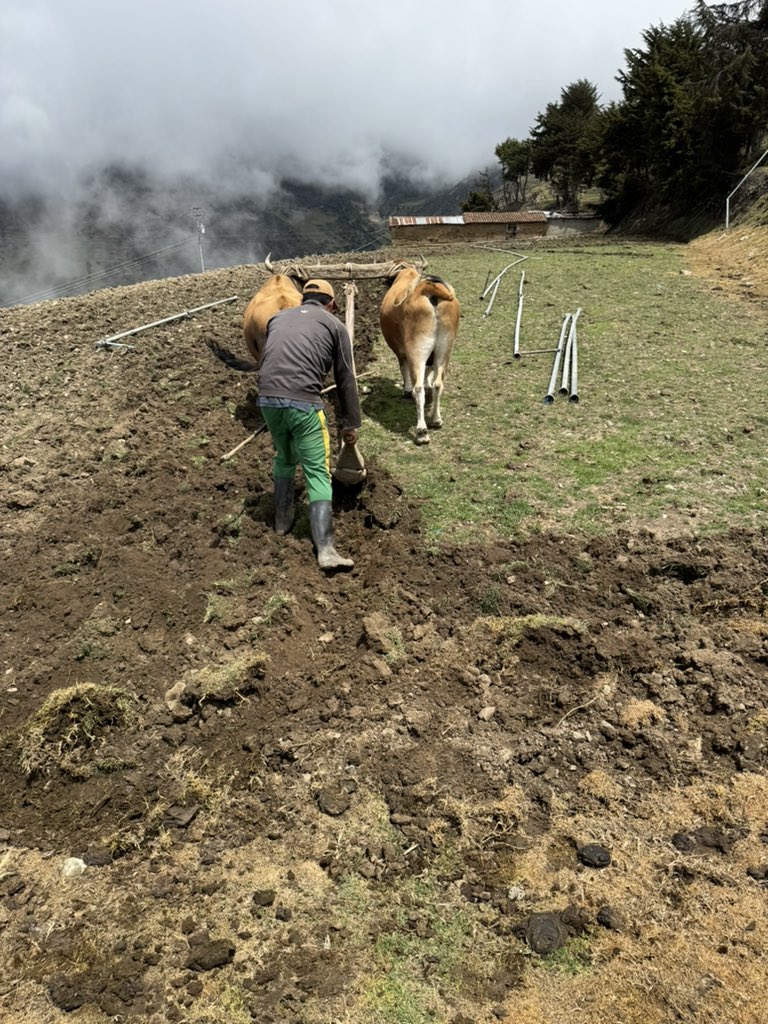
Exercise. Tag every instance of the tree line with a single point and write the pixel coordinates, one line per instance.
(694, 111)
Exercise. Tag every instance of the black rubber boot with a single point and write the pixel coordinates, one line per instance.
(285, 488)
(321, 521)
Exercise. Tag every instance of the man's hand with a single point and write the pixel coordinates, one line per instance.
(349, 437)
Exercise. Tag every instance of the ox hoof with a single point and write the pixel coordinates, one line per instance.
(422, 437)
(435, 425)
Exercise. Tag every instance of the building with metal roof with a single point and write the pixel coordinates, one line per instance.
(474, 227)
(491, 226)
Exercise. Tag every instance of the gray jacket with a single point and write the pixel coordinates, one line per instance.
(303, 344)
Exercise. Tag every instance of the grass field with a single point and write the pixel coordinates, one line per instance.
(670, 426)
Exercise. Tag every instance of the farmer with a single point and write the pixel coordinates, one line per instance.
(302, 345)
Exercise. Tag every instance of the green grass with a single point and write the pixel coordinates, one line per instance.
(575, 957)
(397, 990)
(669, 423)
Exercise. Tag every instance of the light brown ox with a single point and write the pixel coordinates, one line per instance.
(276, 294)
(419, 320)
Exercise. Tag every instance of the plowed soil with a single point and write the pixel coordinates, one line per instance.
(275, 779)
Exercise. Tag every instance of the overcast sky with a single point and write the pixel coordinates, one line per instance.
(235, 89)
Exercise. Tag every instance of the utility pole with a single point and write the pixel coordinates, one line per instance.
(197, 213)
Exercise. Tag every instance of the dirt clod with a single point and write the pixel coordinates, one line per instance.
(594, 856)
(207, 954)
(545, 932)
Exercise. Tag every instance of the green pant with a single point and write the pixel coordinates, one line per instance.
(301, 437)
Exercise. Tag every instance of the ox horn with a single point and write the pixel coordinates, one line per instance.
(268, 263)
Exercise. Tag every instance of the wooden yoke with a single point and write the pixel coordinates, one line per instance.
(342, 271)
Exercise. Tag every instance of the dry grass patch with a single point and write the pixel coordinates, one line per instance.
(695, 934)
(601, 786)
(229, 680)
(640, 712)
(65, 730)
(502, 634)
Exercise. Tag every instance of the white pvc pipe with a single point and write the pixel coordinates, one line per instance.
(550, 395)
(516, 351)
(566, 377)
(145, 327)
(574, 396)
(565, 380)
(496, 279)
(490, 304)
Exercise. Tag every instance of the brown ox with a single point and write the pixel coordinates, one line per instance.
(419, 320)
(276, 294)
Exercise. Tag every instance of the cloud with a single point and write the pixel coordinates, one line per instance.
(115, 119)
(247, 90)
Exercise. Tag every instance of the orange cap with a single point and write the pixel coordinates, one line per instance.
(318, 287)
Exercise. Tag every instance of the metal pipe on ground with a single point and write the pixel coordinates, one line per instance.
(107, 342)
(550, 395)
(574, 395)
(566, 377)
(566, 374)
(516, 351)
(499, 276)
(493, 297)
(487, 279)
(495, 248)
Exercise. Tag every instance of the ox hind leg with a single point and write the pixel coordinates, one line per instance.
(407, 380)
(435, 391)
(417, 369)
(432, 390)
(446, 332)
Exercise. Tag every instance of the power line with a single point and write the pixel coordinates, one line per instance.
(289, 239)
(100, 275)
(86, 279)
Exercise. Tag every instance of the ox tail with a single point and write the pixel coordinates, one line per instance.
(232, 361)
(436, 289)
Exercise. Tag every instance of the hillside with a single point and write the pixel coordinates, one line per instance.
(123, 226)
(735, 261)
(522, 778)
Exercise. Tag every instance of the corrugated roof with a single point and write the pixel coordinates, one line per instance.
(556, 215)
(519, 217)
(403, 222)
